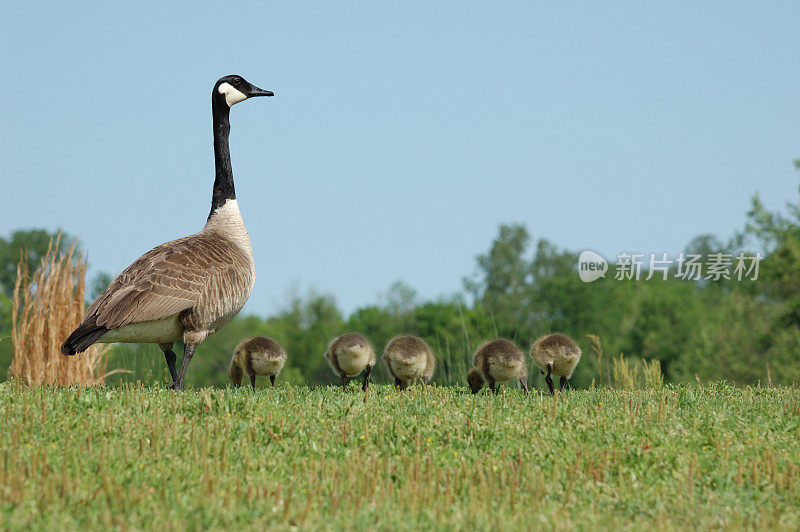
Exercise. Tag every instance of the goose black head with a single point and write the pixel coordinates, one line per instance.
(234, 89)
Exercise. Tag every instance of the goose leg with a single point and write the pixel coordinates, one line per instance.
(272, 380)
(563, 382)
(188, 353)
(253, 380)
(549, 380)
(171, 358)
(524, 383)
(366, 377)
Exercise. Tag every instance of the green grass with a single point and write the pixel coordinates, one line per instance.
(145, 458)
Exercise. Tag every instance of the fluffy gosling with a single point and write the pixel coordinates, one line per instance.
(407, 359)
(256, 356)
(557, 354)
(497, 360)
(349, 355)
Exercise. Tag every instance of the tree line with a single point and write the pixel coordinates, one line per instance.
(741, 331)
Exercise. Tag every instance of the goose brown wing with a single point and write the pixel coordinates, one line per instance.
(166, 280)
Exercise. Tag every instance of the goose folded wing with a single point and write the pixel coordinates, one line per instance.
(164, 281)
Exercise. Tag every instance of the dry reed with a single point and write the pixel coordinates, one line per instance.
(597, 347)
(47, 307)
(637, 374)
(628, 375)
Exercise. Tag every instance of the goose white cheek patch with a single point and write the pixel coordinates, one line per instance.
(232, 96)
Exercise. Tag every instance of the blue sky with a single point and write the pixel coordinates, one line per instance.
(402, 133)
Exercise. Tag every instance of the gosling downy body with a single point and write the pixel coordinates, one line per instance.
(556, 354)
(407, 359)
(188, 288)
(349, 355)
(256, 356)
(497, 360)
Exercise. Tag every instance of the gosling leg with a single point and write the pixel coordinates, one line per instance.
(492, 386)
(253, 380)
(344, 382)
(549, 380)
(366, 377)
(272, 380)
(563, 382)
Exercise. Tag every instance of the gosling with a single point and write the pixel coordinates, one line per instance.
(256, 356)
(557, 354)
(349, 355)
(497, 360)
(407, 359)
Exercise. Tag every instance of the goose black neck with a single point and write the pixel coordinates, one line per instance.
(223, 182)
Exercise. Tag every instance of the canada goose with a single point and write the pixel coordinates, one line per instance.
(256, 356)
(408, 358)
(497, 360)
(188, 288)
(557, 354)
(349, 355)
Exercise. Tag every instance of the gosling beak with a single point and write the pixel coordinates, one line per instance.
(255, 91)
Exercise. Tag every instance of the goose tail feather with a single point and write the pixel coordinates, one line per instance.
(81, 338)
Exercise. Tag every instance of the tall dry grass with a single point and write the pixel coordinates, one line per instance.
(637, 374)
(47, 307)
(627, 375)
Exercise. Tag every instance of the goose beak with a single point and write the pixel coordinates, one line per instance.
(255, 91)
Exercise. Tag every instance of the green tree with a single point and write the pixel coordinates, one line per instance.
(400, 299)
(5, 334)
(29, 243)
(777, 237)
(502, 282)
(98, 285)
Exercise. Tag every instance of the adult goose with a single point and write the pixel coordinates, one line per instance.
(189, 288)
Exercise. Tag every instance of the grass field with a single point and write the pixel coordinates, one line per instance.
(317, 458)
